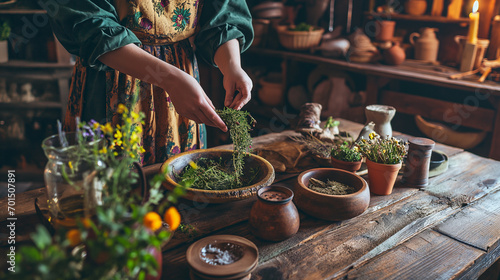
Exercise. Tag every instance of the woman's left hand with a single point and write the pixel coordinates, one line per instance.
(238, 88)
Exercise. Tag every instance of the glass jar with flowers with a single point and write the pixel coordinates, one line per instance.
(121, 237)
(384, 158)
(346, 157)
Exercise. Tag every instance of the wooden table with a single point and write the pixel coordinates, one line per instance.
(448, 230)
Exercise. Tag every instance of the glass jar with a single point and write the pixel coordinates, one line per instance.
(64, 175)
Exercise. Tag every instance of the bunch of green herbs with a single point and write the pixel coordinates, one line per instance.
(218, 174)
(345, 153)
(386, 151)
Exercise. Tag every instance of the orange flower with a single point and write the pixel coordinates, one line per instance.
(152, 221)
(172, 218)
(74, 237)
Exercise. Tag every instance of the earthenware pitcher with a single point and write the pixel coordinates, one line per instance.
(274, 217)
(427, 45)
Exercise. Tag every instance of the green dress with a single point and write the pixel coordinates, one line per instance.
(90, 28)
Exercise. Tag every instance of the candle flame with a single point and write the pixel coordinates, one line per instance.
(475, 7)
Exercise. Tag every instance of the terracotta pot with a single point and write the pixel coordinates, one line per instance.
(395, 55)
(415, 7)
(382, 176)
(345, 165)
(385, 30)
(332, 207)
(271, 91)
(274, 217)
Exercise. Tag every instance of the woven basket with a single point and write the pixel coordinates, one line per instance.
(299, 40)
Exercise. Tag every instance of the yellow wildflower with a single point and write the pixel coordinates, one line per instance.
(356, 149)
(122, 109)
(70, 164)
(142, 150)
(172, 218)
(372, 135)
(152, 221)
(134, 116)
(138, 129)
(134, 138)
(118, 134)
(74, 237)
(107, 128)
(103, 150)
(96, 125)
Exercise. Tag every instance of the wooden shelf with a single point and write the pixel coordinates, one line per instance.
(30, 105)
(7, 11)
(34, 64)
(423, 18)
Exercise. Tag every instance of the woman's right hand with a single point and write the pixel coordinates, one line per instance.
(190, 100)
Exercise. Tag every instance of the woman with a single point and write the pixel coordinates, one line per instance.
(144, 47)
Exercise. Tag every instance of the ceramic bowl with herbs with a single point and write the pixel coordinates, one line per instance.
(331, 194)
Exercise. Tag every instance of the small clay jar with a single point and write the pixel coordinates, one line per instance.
(385, 30)
(346, 165)
(416, 171)
(394, 55)
(274, 217)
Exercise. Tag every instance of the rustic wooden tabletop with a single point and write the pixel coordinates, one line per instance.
(448, 230)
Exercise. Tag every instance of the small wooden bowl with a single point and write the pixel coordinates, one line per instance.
(332, 207)
(177, 163)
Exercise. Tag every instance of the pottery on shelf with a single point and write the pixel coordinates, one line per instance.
(274, 217)
(385, 30)
(381, 115)
(351, 166)
(332, 207)
(315, 10)
(334, 47)
(260, 27)
(271, 91)
(394, 55)
(415, 7)
(222, 257)
(482, 46)
(427, 45)
(362, 50)
(269, 10)
(382, 177)
(177, 163)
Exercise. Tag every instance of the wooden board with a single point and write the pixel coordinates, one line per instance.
(425, 254)
(483, 217)
(454, 113)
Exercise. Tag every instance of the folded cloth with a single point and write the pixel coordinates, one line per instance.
(287, 156)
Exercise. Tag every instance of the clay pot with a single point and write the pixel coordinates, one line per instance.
(385, 30)
(382, 176)
(346, 165)
(274, 217)
(271, 91)
(381, 115)
(332, 207)
(415, 7)
(395, 55)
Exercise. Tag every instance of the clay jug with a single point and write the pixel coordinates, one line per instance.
(394, 55)
(427, 45)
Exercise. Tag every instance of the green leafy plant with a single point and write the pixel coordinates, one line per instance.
(123, 234)
(345, 153)
(302, 27)
(218, 174)
(379, 150)
(4, 30)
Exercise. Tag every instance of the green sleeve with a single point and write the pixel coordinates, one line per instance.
(89, 29)
(222, 21)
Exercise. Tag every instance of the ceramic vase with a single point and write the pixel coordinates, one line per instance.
(274, 217)
(395, 55)
(382, 177)
(346, 165)
(381, 115)
(416, 171)
(415, 7)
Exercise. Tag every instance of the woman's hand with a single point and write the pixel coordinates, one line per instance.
(191, 101)
(238, 88)
(237, 84)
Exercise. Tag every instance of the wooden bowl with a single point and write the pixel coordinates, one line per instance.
(332, 207)
(177, 163)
